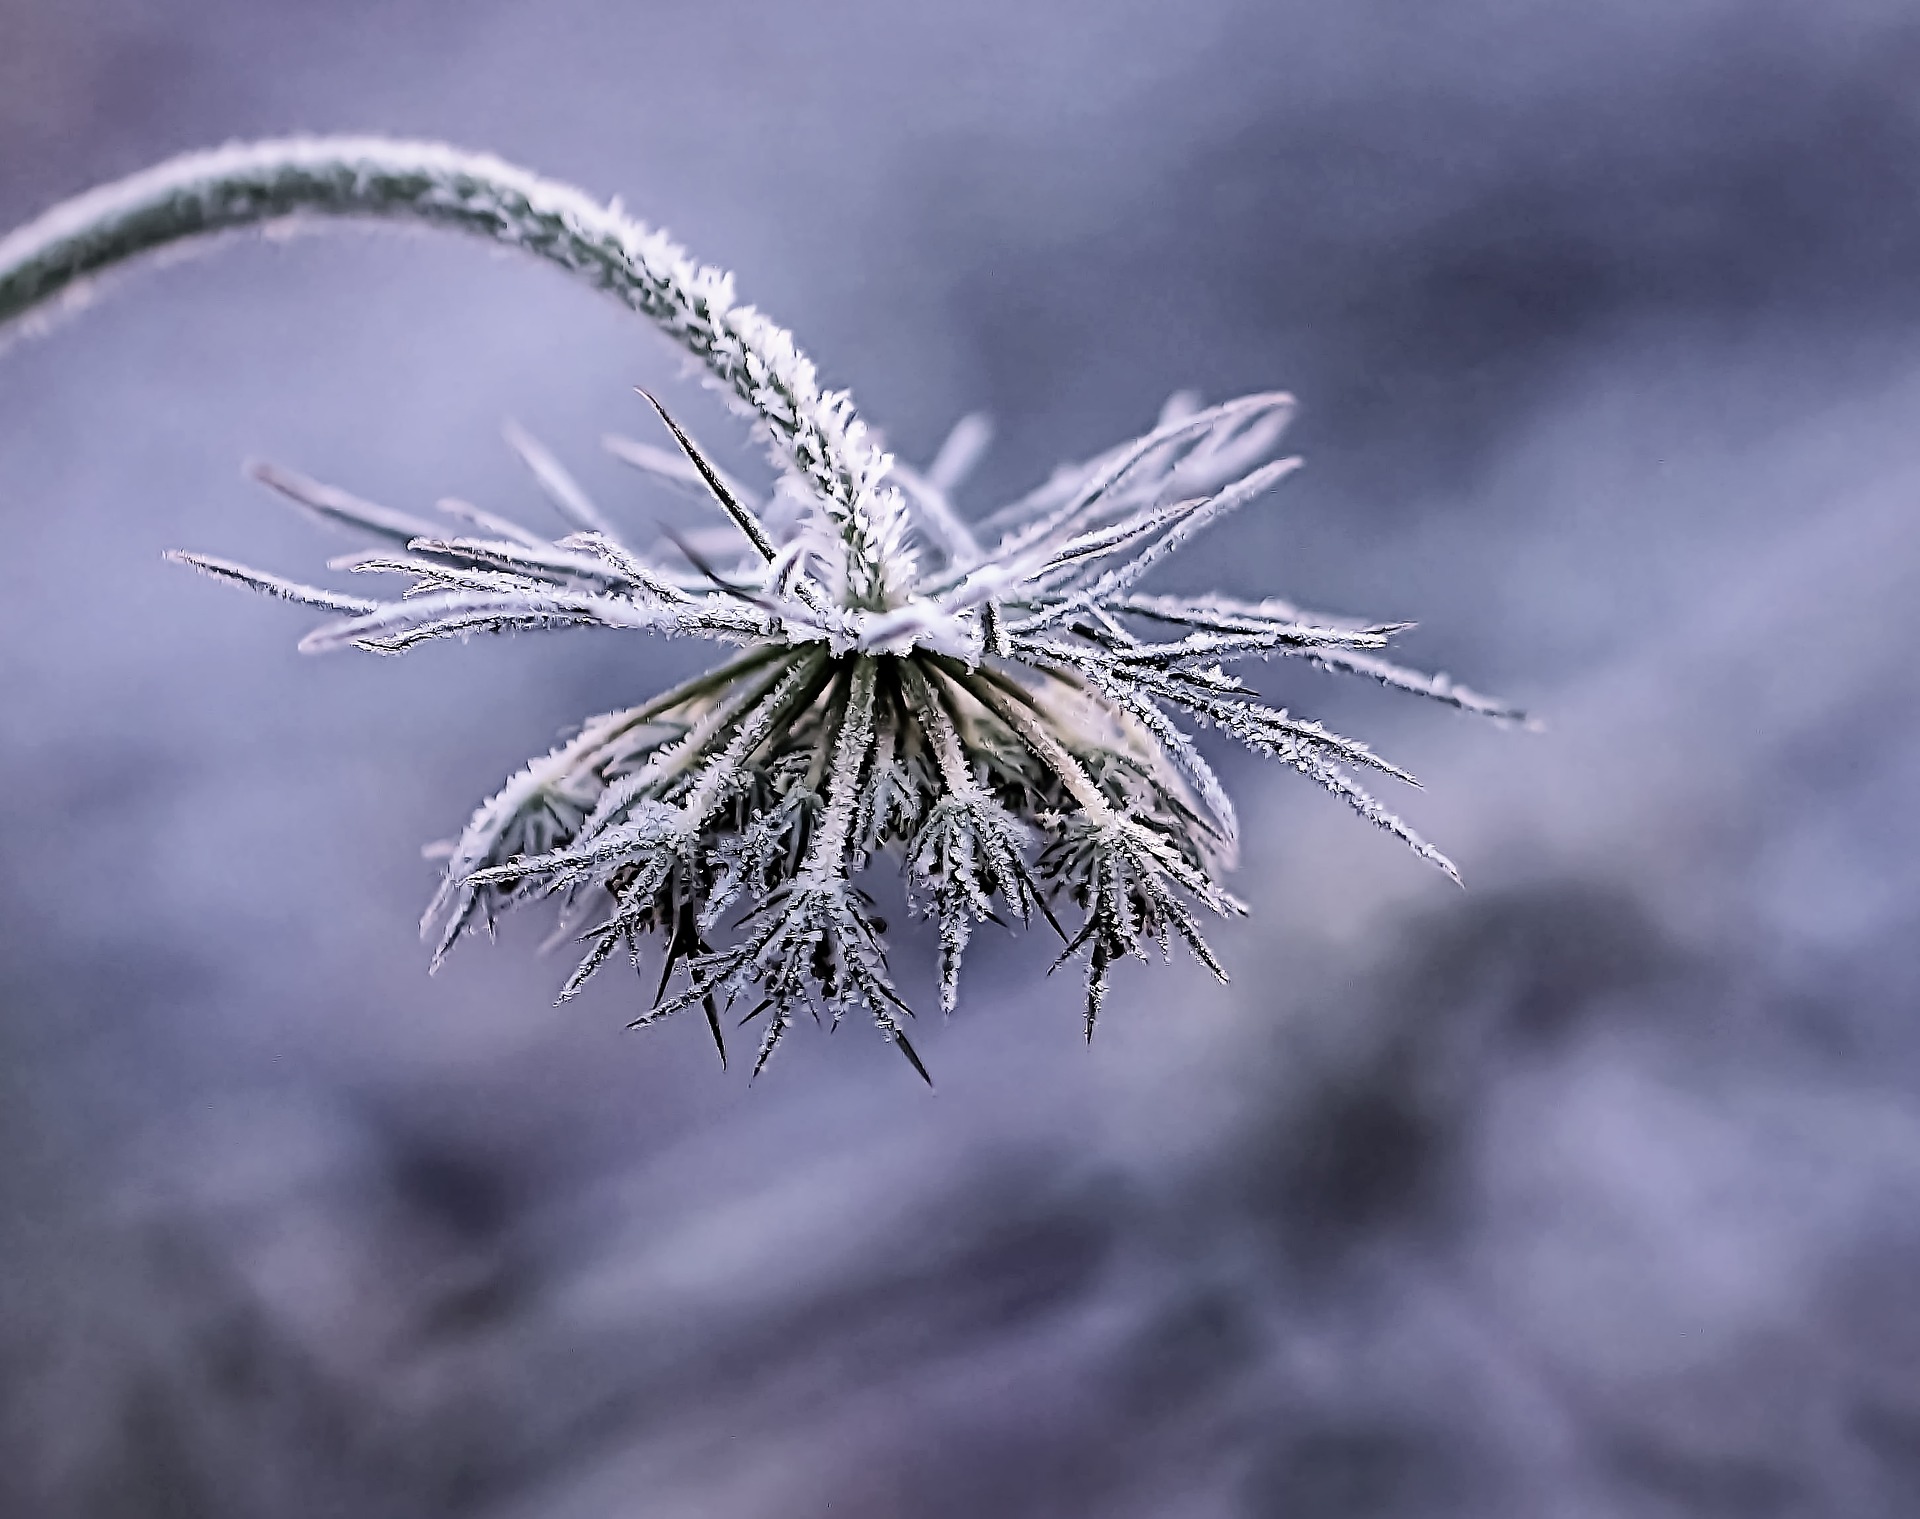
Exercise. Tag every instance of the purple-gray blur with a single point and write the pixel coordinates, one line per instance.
(1592, 1190)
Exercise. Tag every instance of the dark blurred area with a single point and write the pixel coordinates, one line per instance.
(1591, 1190)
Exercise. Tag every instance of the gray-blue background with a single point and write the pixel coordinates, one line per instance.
(1592, 1190)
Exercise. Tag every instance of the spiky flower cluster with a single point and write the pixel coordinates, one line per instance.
(995, 705)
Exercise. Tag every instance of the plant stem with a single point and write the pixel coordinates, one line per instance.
(225, 189)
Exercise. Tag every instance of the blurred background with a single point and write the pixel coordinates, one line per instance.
(1591, 1190)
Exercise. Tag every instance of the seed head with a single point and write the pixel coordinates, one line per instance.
(991, 703)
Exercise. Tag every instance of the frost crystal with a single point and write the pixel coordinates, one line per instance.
(992, 702)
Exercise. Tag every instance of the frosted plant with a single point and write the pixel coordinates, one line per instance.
(995, 703)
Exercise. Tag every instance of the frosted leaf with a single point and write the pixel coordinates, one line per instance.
(557, 484)
(272, 585)
(336, 506)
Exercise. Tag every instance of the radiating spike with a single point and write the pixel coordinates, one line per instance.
(335, 505)
(557, 483)
(271, 585)
(743, 518)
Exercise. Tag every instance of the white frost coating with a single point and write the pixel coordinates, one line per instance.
(992, 702)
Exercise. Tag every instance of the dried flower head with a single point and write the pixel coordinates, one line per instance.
(994, 703)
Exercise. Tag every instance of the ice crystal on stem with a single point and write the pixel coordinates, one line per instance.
(993, 702)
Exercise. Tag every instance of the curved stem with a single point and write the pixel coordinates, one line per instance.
(815, 432)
